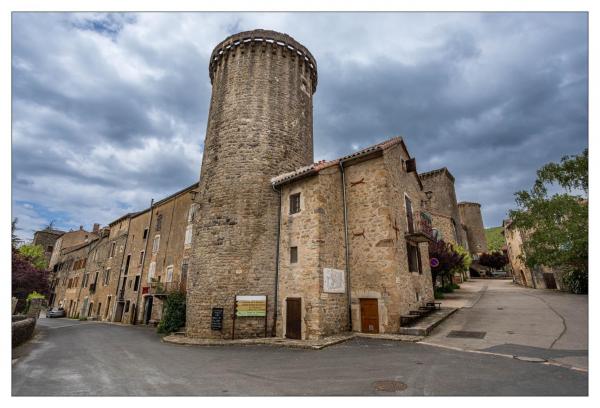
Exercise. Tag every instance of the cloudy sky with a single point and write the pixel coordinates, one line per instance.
(109, 110)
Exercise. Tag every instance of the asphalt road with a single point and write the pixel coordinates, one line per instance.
(520, 321)
(69, 357)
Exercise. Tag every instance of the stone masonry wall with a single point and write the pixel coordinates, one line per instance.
(259, 126)
(317, 232)
(470, 215)
(443, 201)
(377, 222)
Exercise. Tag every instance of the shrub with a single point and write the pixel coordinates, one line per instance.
(174, 314)
(438, 294)
(455, 286)
(576, 281)
(447, 289)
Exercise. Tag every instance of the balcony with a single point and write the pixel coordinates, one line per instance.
(164, 288)
(420, 229)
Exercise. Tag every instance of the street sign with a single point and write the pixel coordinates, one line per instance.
(251, 306)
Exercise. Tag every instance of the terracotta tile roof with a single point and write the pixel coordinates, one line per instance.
(318, 166)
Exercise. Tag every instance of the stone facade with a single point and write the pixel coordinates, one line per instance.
(470, 215)
(442, 204)
(46, 238)
(106, 277)
(376, 185)
(334, 246)
(540, 277)
(259, 125)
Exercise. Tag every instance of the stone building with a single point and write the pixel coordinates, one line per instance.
(109, 277)
(259, 126)
(46, 238)
(539, 277)
(269, 242)
(443, 206)
(470, 216)
(444, 209)
(372, 203)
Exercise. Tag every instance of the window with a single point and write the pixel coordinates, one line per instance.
(145, 233)
(158, 222)
(106, 276)
(141, 258)
(136, 285)
(169, 273)
(414, 258)
(156, 244)
(295, 203)
(113, 248)
(184, 269)
(293, 254)
(50, 248)
(192, 212)
(127, 306)
(151, 271)
(107, 307)
(126, 271)
(188, 235)
(409, 214)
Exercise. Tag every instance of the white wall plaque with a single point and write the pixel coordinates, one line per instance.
(334, 280)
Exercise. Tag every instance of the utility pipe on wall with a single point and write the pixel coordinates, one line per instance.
(347, 245)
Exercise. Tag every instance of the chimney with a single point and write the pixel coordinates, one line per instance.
(96, 228)
(81, 228)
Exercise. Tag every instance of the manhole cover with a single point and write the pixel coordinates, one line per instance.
(389, 386)
(462, 334)
(531, 359)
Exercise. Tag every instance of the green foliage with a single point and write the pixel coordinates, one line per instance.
(174, 314)
(83, 319)
(495, 239)
(438, 294)
(35, 295)
(495, 260)
(35, 254)
(555, 228)
(576, 281)
(15, 240)
(466, 258)
(447, 289)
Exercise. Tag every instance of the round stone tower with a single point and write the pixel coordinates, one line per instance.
(470, 215)
(259, 126)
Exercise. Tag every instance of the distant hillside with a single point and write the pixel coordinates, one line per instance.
(495, 239)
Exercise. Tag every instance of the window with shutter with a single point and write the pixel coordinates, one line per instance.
(188, 235)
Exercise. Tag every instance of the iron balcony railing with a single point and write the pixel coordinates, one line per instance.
(163, 288)
(421, 229)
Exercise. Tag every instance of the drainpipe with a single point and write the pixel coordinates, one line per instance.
(137, 301)
(347, 244)
(274, 328)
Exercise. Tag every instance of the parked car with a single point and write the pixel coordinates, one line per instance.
(56, 312)
(499, 274)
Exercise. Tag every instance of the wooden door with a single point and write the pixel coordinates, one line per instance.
(293, 318)
(549, 280)
(369, 316)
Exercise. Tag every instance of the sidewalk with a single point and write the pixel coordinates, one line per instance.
(468, 294)
(317, 344)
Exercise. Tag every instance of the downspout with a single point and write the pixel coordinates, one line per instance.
(144, 261)
(274, 328)
(347, 245)
(126, 235)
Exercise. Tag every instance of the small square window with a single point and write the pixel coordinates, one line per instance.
(295, 203)
(293, 254)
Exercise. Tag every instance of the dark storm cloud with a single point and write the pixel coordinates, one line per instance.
(110, 110)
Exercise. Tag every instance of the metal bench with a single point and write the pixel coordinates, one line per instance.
(435, 305)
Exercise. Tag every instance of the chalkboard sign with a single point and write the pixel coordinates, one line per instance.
(216, 321)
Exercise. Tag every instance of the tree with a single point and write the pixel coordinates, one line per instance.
(495, 239)
(35, 254)
(466, 258)
(555, 228)
(14, 238)
(495, 260)
(444, 260)
(26, 278)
